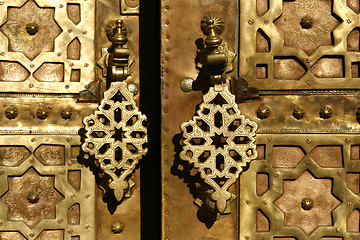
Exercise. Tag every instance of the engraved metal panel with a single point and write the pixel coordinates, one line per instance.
(308, 201)
(41, 41)
(302, 44)
(40, 201)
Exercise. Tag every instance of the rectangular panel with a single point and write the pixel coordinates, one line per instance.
(302, 186)
(51, 51)
(46, 193)
(303, 44)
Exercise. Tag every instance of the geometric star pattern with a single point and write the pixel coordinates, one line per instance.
(308, 201)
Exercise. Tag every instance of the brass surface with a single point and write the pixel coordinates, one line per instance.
(38, 39)
(306, 200)
(180, 29)
(302, 44)
(39, 201)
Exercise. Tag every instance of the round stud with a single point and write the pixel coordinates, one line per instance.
(307, 204)
(133, 88)
(187, 84)
(325, 112)
(42, 113)
(358, 114)
(32, 28)
(298, 113)
(263, 112)
(11, 112)
(306, 22)
(117, 227)
(33, 197)
(66, 113)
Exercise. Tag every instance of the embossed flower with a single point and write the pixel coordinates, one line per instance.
(307, 202)
(307, 24)
(31, 198)
(31, 29)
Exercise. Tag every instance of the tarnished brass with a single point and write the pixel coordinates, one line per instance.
(116, 135)
(43, 43)
(219, 141)
(37, 192)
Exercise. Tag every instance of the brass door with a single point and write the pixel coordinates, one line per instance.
(296, 76)
(191, 119)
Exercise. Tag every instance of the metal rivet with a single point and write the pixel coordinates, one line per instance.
(165, 111)
(338, 229)
(1, 3)
(70, 30)
(71, 64)
(86, 64)
(248, 202)
(307, 162)
(325, 112)
(11, 112)
(167, 212)
(349, 203)
(298, 113)
(168, 50)
(60, 220)
(42, 113)
(308, 60)
(59, 54)
(32, 65)
(66, 113)
(309, 82)
(61, 171)
(87, 195)
(69, 139)
(266, 22)
(1, 223)
(87, 226)
(263, 112)
(307, 204)
(32, 234)
(2, 53)
(347, 140)
(338, 173)
(251, 21)
(276, 175)
(269, 139)
(133, 88)
(348, 21)
(2, 172)
(31, 160)
(117, 227)
(247, 237)
(187, 84)
(265, 165)
(264, 202)
(167, 7)
(67, 86)
(278, 228)
(61, 6)
(308, 141)
(70, 231)
(353, 165)
(306, 22)
(33, 139)
(31, 85)
(70, 163)
(72, 195)
(84, 32)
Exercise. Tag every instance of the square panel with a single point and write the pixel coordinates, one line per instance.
(301, 187)
(45, 193)
(302, 44)
(47, 46)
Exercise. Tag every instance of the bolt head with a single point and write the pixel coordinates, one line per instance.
(117, 227)
(11, 112)
(307, 204)
(187, 84)
(263, 112)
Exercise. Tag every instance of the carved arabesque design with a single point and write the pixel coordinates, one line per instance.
(219, 141)
(117, 137)
(34, 40)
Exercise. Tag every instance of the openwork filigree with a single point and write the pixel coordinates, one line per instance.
(219, 141)
(117, 137)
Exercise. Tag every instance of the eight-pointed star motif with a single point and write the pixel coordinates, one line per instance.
(31, 198)
(307, 202)
(307, 24)
(31, 29)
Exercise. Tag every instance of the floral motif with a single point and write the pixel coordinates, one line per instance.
(31, 29)
(307, 202)
(307, 24)
(31, 198)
